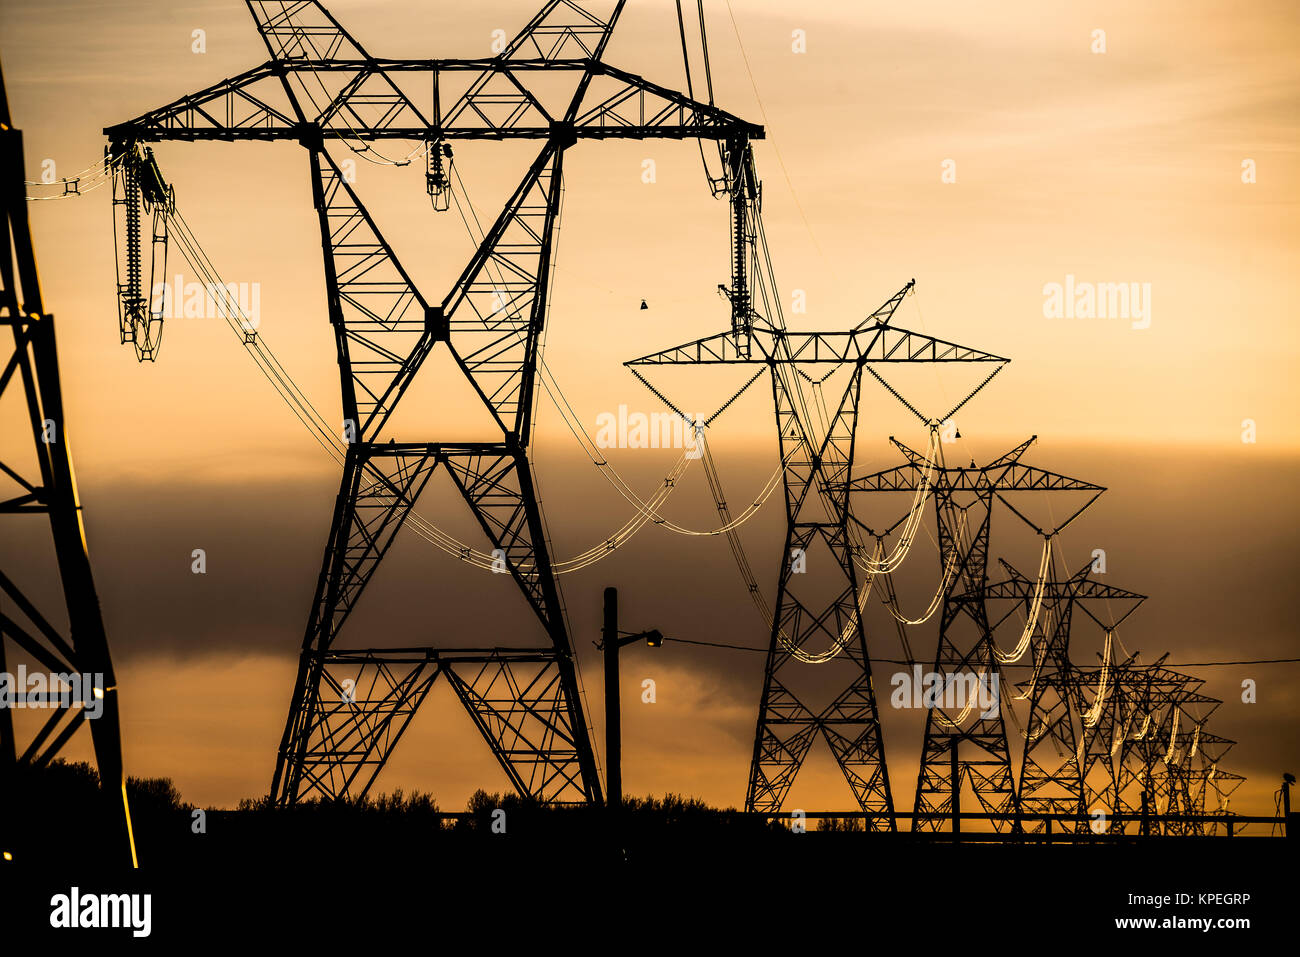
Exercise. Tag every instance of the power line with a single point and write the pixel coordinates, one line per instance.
(903, 661)
(772, 139)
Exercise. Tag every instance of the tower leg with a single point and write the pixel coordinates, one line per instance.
(82, 649)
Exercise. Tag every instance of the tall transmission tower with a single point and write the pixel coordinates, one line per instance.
(965, 744)
(1190, 765)
(817, 454)
(45, 485)
(322, 89)
(1149, 755)
(1051, 771)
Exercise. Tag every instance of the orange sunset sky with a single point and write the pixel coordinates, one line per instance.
(1123, 166)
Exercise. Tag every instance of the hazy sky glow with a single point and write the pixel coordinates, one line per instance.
(1124, 167)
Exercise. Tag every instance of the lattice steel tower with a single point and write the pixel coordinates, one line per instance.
(818, 459)
(47, 487)
(965, 744)
(1051, 771)
(321, 88)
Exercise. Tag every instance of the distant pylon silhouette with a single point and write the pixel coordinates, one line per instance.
(818, 457)
(966, 744)
(1051, 771)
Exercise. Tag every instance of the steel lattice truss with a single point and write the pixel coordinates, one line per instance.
(515, 696)
(967, 745)
(321, 88)
(818, 460)
(45, 485)
(1051, 772)
(1149, 755)
(1079, 756)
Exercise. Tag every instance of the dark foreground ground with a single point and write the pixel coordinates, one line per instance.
(669, 875)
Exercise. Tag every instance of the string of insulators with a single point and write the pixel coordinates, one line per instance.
(949, 572)
(1026, 636)
(957, 722)
(1119, 738)
(1173, 736)
(884, 564)
(137, 184)
(1091, 716)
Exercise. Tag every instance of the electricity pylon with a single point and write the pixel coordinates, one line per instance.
(967, 744)
(1163, 771)
(818, 459)
(1190, 769)
(1149, 755)
(321, 88)
(48, 487)
(1051, 771)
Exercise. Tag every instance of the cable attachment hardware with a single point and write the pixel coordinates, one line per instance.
(138, 185)
(437, 179)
